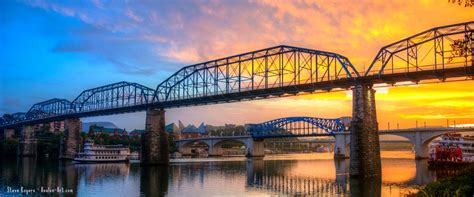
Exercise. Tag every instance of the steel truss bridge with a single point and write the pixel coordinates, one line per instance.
(297, 127)
(440, 54)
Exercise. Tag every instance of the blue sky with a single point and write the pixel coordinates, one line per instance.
(56, 49)
(49, 55)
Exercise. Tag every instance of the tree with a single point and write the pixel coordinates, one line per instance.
(467, 3)
(462, 47)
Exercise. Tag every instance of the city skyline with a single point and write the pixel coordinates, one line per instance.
(52, 48)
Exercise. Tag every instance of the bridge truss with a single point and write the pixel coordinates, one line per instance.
(272, 71)
(297, 127)
(434, 50)
(113, 96)
(108, 99)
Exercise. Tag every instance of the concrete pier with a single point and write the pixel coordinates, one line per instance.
(155, 148)
(70, 143)
(255, 148)
(341, 146)
(365, 146)
(28, 145)
(215, 151)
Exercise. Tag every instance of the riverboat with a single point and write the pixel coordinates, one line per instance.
(452, 149)
(102, 153)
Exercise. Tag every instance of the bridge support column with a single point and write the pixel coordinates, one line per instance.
(341, 149)
(27, 146)
(342, 170)
(421, 149)
(70, 143)
(255, 148)
(365, 147)
(155, 148)
(8, 133)
(215, 151)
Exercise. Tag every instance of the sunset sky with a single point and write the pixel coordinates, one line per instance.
(56, 49)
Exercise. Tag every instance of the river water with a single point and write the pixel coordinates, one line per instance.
(293, 174)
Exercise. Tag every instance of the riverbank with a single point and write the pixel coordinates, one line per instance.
(457, 185)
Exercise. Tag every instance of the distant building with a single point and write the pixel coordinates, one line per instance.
(179, 131)
(96, 130)
(137, 133)
(230, 126)
(171, 129)
(192, 131)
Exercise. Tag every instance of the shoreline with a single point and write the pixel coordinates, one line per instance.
(459, 184)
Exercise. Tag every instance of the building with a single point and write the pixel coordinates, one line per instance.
(137, 133)
(172, 129)
(178, 131)
(192, 131)
(96, 130)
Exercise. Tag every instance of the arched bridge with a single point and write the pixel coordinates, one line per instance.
(297, 127)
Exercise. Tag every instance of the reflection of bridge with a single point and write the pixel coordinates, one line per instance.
(297, 185)
(306, 126)
(440, 54)
(263, 177)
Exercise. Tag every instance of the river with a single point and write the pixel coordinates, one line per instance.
(292, 174)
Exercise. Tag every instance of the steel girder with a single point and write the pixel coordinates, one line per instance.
(49, 108)
(435, 49)
(96, 101)
(252, 72)
(296, 127)
(13, 118)
(113, 96)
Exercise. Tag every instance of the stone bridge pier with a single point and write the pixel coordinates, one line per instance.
(364, 137)
(69, 146)
(28, 144)
(155, 150)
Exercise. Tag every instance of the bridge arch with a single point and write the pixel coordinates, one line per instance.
(186, 148)
(116, 95)
(422, 138)
(49, 108)
(216, 148)
(297, 127)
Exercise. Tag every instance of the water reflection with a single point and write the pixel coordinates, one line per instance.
(31, 173)
(272, 176)
(371, 186)
(154, 180)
